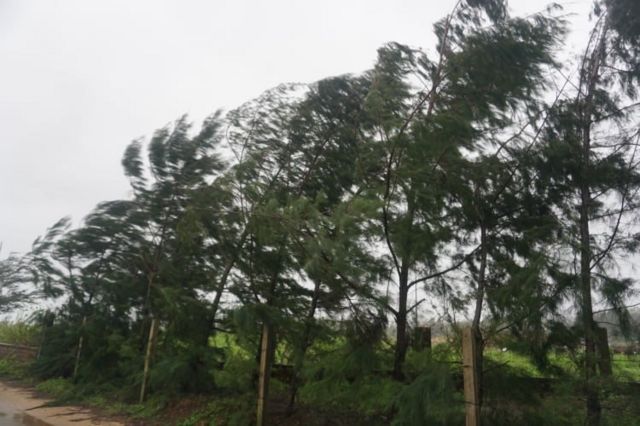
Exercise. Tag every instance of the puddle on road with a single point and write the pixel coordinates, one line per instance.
(9, 416)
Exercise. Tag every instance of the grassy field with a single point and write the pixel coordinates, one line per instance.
(19, 333)
(625, 367)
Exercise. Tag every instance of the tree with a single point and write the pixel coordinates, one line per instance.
(180, 166)
(13, 278)
(591, 155)
(297, 166)
(423, 136)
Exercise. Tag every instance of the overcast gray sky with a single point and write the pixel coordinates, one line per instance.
(79, 79)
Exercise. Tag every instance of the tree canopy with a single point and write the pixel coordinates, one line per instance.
(463, 183)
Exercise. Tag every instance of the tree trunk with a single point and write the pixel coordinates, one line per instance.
(590, 79)
(477, 317)
(266, 358)
(401, 324)
(422, 338)
(146, 309)
(79, 350)
(306, 335)
(592, 399)
(604, 354)
(151, 342)
(225, 276)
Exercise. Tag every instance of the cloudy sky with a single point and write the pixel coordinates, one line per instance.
(79, 79)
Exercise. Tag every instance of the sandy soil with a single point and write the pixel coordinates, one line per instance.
(30, 410)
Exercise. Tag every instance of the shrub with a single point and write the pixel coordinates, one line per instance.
(58, 388)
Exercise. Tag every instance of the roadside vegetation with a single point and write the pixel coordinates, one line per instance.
(337, 392)
(20, 332)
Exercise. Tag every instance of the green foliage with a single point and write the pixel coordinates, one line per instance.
(20, 333)
(237, 374)
(152, 407)
(368, 395)
(185, 370)
(222, 412)
(13, 276)
(626, 367)
(57, 388)
(430, 399)
(14, 369)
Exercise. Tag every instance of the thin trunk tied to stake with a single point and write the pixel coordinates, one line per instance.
(591, 154)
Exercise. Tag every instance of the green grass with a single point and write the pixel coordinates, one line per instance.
(64, 391)
(626, 367)
(19, 333)
(11, 368)
(514, 360)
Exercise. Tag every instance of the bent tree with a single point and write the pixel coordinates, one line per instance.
(591, 155)
(423, 133)
(170, 266)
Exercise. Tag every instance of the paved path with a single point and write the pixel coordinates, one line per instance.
(19, 406)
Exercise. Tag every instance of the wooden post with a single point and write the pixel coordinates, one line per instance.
(470, 376)
(421, 338)
(47, 323)
(425, 337)
(604, 355)
(265, 374)
(151, 342)
(79, 350)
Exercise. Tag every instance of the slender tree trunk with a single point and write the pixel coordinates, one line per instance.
(477, 316)
(306, 335)
(590, 76)
(151, 342)
(590, 366)
(146, 310)
(266, 358)
(79, 350)
(401, 323)
(222, 283)
(266, 355)
(604, 355)
(592, 400)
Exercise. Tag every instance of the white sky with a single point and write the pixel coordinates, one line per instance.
(79, 79)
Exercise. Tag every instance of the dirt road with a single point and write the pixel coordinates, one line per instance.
(19, 406)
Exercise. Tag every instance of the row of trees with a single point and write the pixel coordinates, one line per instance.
(498, 182)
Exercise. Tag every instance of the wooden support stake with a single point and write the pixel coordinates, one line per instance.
(604, 355)
(470, 375)
(151, 342)
(424, 338)
(265, 374)
(421, 338)
(79, 349)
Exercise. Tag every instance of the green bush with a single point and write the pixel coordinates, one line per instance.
(237, 374)
(58, 388)
(431, 399)
(183, 370)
